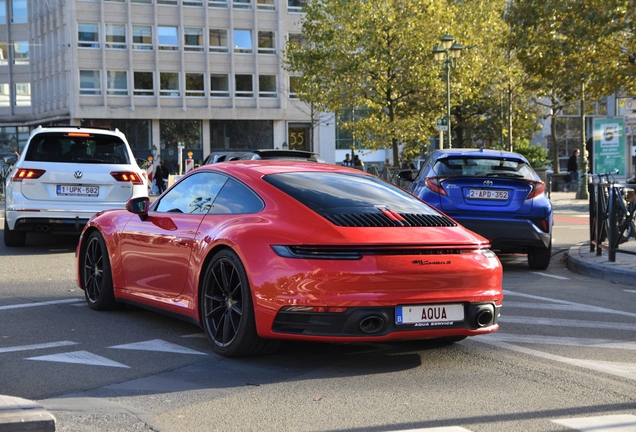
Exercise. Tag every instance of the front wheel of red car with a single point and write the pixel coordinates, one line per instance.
(539, 258)
(227, 312)
(95, 274)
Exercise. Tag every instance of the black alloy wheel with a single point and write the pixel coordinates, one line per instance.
(96, 276)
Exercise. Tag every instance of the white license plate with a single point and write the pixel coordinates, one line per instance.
(78, 190)
(436, 314)
(488, 194)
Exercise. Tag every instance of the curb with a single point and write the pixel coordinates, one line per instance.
(18, 415)
(606, 270)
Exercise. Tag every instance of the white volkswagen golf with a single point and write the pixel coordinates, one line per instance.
(64, 176)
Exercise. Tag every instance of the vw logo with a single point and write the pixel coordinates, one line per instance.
(79, 174)
(487, 182)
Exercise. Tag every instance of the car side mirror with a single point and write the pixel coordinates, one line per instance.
(139, 206)
(407, 175)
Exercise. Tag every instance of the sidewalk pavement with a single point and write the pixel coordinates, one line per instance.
(17, 415)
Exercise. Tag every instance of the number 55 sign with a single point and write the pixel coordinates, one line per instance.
(609, 145)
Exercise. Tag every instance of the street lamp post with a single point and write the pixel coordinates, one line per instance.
(448, 52)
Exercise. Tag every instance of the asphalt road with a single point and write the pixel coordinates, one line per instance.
(562, 360)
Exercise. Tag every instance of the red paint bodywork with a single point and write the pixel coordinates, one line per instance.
(158, 261)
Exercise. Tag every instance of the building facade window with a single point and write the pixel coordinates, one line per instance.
(193, 39)
(144, 84)
(4, 54)
(141, 1)
(19, 11)
(243, 41)
(142, 37)
(21, 53)
(294, 86)
(194, 85)
(242, 4)
(243, 86)
(267, 86)
(218, 41)
(168, 38)
(296, 5)
(87, 35)
(169, 84)
(268, 5)
(5, 96)
(116, 83)
(296, 39)
(266, 42)
(241, 134)
(168, 2)
(217, 4)
(90, 83)
(22, 94)
(219, 86)
(115, 36)
(197, 3)
(171, 132)
(3, 11)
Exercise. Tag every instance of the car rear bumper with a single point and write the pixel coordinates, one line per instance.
(508, 235)
(50, 224)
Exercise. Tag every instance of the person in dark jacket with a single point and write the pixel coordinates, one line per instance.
(161, 174)
(573, 170)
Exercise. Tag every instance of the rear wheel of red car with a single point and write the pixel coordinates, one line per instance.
(13, 238)
(96, 276)
(227, 312)
(539, 258)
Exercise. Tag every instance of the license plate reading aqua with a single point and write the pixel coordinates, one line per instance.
(488, 194)
(78, 190)
(429, 314)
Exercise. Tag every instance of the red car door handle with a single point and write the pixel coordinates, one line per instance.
(181, 242)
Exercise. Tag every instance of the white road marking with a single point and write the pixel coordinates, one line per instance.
(569, 303)
(567, 323)
(80, 357)
(631, 291)
(625, 370)
(564, 308)
(561, 341)
(36, 346)
(551, 276)
(158, 345)
(47, 303)
(613, 423)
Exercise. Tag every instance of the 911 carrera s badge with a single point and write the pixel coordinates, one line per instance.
(425, 262)
(78, 174)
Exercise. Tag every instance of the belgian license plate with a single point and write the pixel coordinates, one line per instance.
(78, 190)
(488, 194)
(435, 314)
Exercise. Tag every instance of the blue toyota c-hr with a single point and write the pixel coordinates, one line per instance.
(494, 193)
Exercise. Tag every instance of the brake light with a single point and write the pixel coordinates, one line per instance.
(537, 189)
(542, 224)
(435, 185)
(78, 134)
(25, 173)
(127, 176)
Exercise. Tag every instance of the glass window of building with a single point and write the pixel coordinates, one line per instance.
(194, 85)
(241, 134)
(90, 83)
(144, 84)
(21, 53)
(87, 35)
(294, 86)
(169, 84)
(193, 39)
(243, 41)
(218, 40)
(142, 37)
(168, 38)
(171, 132)
(198, 3)
(5, 96)
(141, 1)
(267, 86)
(296, 39)
(296, 5)
(116, 1)
(219, 86)
(22, 94)
(4, 54)
(168, 2)
(266, 42)
(116, 83)
(266, 5)
(115, 36)
(244, 86)
(242, 4)
(3, 12)
(19, 11)
(217, 4)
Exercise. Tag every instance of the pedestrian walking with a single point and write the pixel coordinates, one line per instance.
(573, 170)
(161, 174)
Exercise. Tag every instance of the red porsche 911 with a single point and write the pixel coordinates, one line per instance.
(256, 252)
